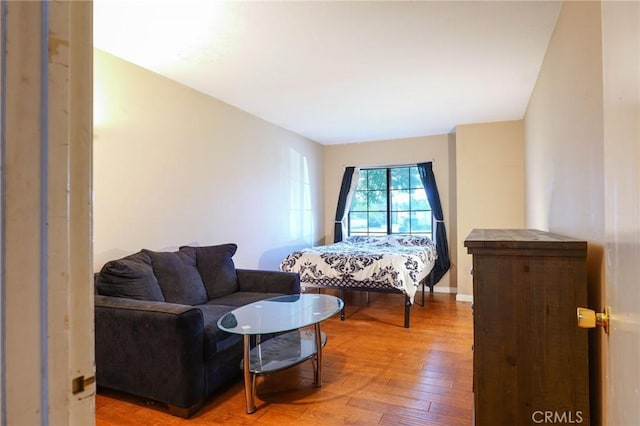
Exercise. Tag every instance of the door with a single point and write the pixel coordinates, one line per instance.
(621, 90)
(46, 305)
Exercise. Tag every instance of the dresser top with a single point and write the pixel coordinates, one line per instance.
(521, 239)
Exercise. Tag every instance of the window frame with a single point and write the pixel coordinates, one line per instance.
(388, 189)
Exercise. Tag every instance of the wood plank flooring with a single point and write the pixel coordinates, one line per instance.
(375, 372)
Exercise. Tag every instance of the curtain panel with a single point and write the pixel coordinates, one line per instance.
(347, 189)
(443, 261)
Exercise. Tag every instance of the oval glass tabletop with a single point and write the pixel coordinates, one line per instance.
(282, 313)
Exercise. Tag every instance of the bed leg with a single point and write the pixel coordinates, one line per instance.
(423, 292)
(344, 304)
(407, 311)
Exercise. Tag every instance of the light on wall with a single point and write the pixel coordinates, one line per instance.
(163, 34)
(301, 224)
(99, 109)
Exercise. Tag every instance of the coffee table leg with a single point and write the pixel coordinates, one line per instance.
(249, 382)
(318, 371)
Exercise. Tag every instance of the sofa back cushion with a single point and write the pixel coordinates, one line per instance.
(131, 277)
(178, 277)
(216, 268)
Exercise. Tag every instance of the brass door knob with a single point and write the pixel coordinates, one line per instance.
(588, 318)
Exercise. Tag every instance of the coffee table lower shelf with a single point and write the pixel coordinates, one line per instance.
(281, 352)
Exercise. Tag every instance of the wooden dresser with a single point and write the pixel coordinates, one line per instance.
(530, 360)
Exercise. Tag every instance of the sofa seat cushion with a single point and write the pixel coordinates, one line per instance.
(216, 340)
(130, 277)
(216, 268)
(178, 277)
(241, 298)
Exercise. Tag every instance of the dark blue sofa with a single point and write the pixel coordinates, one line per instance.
(156, 319)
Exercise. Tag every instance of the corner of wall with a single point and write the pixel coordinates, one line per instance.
(453, 213)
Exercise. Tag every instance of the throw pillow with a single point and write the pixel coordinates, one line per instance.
(178, 278)
(130, 277)
(216, 268)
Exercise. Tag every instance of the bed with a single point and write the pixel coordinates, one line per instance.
(389, 264)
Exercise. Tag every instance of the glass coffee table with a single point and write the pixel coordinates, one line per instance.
(278, 315)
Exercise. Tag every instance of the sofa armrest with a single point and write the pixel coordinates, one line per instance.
(268, 281)
(150, 349)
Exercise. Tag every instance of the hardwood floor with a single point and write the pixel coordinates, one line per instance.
(375, 372)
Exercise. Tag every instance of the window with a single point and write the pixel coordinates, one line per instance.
(390, 201)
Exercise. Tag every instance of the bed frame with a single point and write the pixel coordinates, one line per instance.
(366, 286)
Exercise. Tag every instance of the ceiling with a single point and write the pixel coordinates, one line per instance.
(342, 72)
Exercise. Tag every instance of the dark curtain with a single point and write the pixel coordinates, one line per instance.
(442, 247)
(342, 203)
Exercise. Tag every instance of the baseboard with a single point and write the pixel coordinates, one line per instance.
(453, 290)
(464, 298)
(439, 289)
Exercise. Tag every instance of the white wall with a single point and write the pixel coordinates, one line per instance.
(388, 153)
(173, 166)
(564, 130)
(564, 153)
(582, 137)
(489, 183)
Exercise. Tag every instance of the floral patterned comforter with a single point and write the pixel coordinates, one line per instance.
(387, 262)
